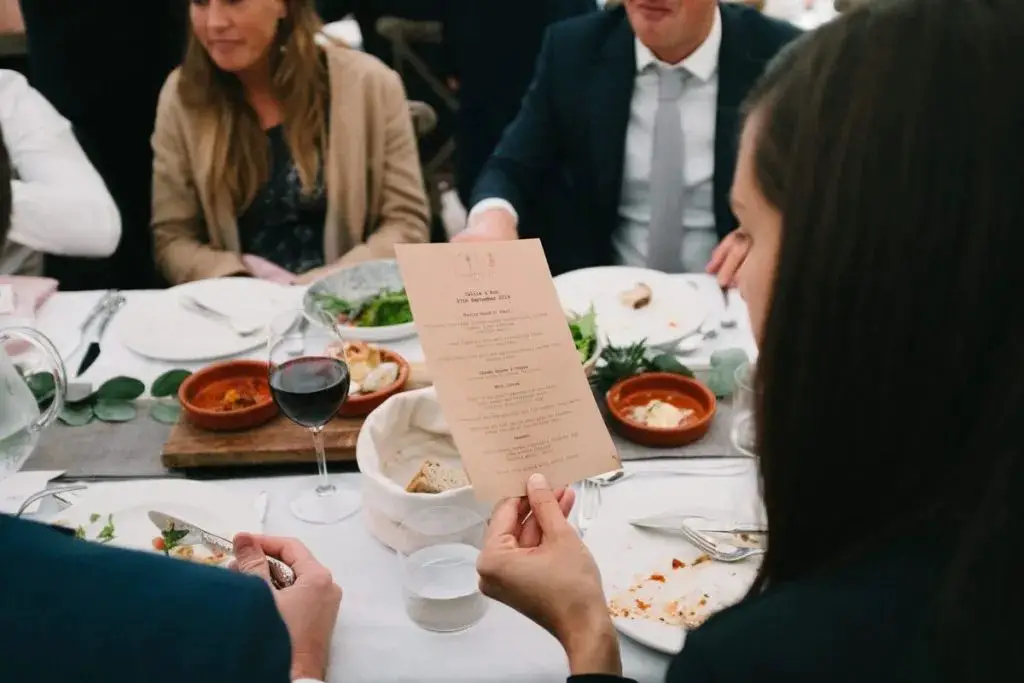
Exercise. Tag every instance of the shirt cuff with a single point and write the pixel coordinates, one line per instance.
(306, 680)
(491, 203)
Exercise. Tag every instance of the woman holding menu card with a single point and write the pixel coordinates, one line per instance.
(879, 182)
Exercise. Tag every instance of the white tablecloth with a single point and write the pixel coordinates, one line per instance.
(374, 641)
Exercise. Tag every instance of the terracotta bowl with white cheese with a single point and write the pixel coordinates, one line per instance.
(661, 409)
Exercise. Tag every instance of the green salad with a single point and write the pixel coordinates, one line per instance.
(380, 310)
(584, 334)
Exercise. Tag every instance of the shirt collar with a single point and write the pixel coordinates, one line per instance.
(702, 62)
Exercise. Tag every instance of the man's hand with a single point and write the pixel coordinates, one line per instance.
(309, 607)
(728, 256)
(491, 225)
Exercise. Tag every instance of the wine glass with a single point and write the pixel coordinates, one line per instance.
(309, 382)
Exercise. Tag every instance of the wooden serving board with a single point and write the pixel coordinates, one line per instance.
(279, 441)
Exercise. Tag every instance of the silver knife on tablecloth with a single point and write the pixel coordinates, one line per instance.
(92, 352)
(673, 522)
(282, 574)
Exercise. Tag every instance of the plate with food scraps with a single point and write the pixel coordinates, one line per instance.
(659, 586)
(365, 301)
(635, 304)
(116, 514)
(166, 325)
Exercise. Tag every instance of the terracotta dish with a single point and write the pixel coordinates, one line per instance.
(679, 391)
(228, 396)
(360, 405)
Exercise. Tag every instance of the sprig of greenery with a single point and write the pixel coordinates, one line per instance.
(619, 362)
(114, 400)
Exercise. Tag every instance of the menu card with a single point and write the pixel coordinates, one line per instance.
(507, 374)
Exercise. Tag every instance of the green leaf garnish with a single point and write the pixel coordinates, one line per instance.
(115, 411)
(166, 412)
(584, 334)
(94, 517)
(620, 362)
(172, 538)
(76, 414)
(168, 383)
(80, 533)
(106, 534)
(42, 384)
(121, 389)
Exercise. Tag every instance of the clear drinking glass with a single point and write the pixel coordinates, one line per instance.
(742, 431)
(309, 383)
(437, 558)
(31, 374)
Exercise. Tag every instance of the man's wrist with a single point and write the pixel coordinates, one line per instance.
(307, 680)
(594, 649)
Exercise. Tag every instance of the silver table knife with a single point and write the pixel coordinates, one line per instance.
(675, 522)
(282, 575)
(92, 352)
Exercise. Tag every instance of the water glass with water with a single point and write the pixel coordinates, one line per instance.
(31, 374)
(437, 559)
(742, 431)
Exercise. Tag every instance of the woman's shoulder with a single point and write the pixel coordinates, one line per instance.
(350, 67)
(170, 93)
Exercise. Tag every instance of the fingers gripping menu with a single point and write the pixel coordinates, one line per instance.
(506, 371)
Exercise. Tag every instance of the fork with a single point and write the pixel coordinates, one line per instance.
(721, 552)
(202, 309)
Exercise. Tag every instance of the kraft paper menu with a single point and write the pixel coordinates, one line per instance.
(507, 374)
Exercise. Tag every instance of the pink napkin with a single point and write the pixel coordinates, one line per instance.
(29, 294)
(265, 270)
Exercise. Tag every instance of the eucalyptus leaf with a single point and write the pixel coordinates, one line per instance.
(167, 384)
(42, 385)
(115, 410)
(722, 377)
(669, 363)
(120, 389)
(166, 412)
(76, 415)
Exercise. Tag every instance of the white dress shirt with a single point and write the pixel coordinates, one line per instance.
(698, 107)
(61, 205)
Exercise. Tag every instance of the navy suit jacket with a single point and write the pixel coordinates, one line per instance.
(560, 162)
(72, 610)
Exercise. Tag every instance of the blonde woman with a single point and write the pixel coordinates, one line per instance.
(276, 158)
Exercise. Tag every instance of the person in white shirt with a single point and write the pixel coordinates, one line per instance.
(60, 204)
(625, 146)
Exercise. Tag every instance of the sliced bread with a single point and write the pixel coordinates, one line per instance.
(436, 477)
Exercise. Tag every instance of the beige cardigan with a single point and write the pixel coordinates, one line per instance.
(375, 192)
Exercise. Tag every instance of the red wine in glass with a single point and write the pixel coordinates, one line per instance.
(310, 391)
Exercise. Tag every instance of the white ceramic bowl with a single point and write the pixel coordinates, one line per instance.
(354, 283)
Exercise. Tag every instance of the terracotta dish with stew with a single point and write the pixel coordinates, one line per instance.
(661, 409)
(228, 396)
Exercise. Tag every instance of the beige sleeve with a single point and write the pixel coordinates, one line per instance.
(181, 243)
(405, 213)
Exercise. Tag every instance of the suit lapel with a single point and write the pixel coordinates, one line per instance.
(736, 75)
(610, 95)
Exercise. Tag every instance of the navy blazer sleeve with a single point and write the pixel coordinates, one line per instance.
(528, 148)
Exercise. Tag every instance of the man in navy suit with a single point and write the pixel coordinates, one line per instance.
(625, 146)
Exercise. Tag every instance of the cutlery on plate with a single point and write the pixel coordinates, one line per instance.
(46, 493)
(196, 306)
(671, 522)
(717, 550)
(94, 313)
(280, 573)
(92, 351)
(727, 319)
(589, 504)
(615, 476)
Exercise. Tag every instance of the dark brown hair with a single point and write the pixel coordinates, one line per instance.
(6, 174)
(891, 374)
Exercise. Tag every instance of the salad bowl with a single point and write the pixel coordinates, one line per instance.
(365, 301)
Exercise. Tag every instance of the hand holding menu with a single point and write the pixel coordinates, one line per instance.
(505, 369)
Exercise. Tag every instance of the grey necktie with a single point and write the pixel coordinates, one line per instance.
(667, 192)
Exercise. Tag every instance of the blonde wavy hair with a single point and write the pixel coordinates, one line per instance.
(299, 82)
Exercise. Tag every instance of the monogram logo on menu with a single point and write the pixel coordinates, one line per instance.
(474, 265)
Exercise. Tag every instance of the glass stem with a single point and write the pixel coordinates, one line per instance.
(321, 460)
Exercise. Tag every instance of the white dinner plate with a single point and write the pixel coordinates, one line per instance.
(127, 504)
(163, 329)
(677, 308)
(355, 283)
(628, 557)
